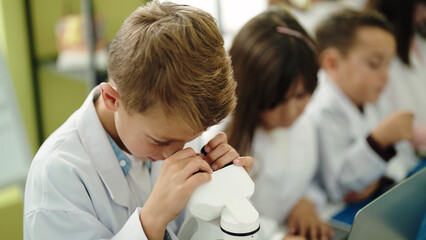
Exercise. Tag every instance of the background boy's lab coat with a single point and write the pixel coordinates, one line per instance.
(76, 188)
(347, 162)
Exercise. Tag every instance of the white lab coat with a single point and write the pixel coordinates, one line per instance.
(76, 188)
(285, 164)
(347, 162)
(407, 84)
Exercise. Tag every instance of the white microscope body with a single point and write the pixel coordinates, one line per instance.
(221, 208)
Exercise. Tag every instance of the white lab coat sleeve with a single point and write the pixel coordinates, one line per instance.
(62, 208)
(47, 224)
(346, 163)
(132, 229)
(405, 160)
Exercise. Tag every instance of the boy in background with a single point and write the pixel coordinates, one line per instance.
(170, 78)
(407, 80)
(361, 144)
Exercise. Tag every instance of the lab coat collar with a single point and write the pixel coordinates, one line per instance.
(95, 141)
(346, 105)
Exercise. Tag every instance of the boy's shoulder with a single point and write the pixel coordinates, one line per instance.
(74, 139)
(60, 138)
(61, 149)
(330, 110)
(324, 102)
(53, 168)
(69, 146)
(61, 169)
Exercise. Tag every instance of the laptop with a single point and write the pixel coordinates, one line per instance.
(395, 215)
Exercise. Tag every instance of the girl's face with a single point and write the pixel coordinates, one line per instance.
(285, 113)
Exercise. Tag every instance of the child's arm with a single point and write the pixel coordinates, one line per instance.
(180, 175)
(396, 127)
(353, 165)
(393, 133)
(348, 163)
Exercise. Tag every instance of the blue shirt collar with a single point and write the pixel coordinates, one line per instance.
(123, 161)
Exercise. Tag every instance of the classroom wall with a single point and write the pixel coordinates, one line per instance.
(62, 93)
(14, 46)
(11, 213)
(47, 12)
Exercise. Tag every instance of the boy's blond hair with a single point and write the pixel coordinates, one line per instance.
(173, 56)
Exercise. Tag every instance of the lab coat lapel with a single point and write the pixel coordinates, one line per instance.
(348, 108)
(95, 141)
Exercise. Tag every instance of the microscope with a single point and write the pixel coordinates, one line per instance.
(221, 208)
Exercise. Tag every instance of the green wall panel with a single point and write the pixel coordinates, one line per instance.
(14, 45)
(11, 213)
(114, 13)
(47, 12)
(60, 95)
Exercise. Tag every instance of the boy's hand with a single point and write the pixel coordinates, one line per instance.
(180, 175)
(304, 221)
(397, 126)
(357, 197)
(220, 153)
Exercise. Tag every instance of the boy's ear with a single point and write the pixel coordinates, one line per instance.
(329, 60)
(109, 96)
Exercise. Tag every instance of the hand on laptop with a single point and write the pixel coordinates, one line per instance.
(357, 197)
(304, 221)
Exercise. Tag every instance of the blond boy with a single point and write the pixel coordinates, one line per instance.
(99, 176)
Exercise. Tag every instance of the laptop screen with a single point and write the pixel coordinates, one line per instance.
(397, 214)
